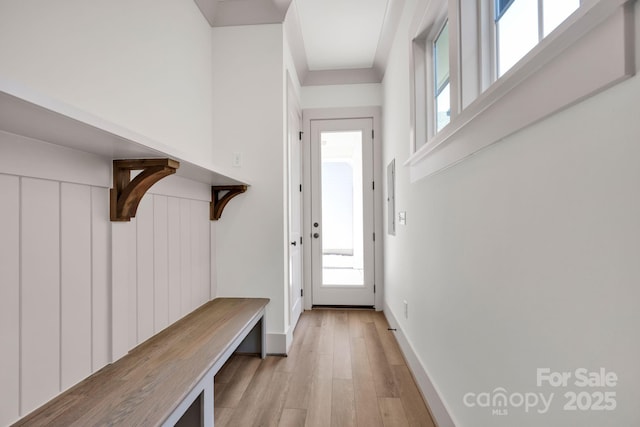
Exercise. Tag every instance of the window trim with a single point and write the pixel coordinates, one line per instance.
(452, 143)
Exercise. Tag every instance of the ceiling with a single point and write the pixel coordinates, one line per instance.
(332, 41)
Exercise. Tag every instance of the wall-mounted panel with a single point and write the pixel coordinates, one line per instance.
(145, 276)
(120, 256)
(185, 257)
(174, 264)
(9, 299)
(199, 253)
(40, 291)
(100, 277)
(160, 262)
(75, 297)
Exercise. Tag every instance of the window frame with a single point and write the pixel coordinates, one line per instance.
(437, 90)
(477, 91)
(423, 93)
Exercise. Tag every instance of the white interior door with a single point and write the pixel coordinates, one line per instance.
(295, 209)
(342, 227)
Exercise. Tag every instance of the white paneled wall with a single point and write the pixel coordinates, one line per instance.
(76, 290)
(162, 261)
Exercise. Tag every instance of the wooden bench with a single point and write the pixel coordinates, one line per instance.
(168, 379)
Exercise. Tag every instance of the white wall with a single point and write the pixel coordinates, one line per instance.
(144, 65)
(248, 119)
(341, 96)
(77, 291)
(523, 256)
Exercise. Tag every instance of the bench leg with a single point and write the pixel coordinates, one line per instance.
(207, 404)
(263, 340)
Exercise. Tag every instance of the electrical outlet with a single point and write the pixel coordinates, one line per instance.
(406, 309)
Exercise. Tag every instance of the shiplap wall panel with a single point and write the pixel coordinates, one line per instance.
(200, 260)
(120, 313)
(9, 299)
(185, 257)
(40, 290)
(70, 278)
(75, 284)
(174, 263)
(100, 278)
(160, 262)
(131, 241)
(195, 255)
(213, 283)
(145, 276)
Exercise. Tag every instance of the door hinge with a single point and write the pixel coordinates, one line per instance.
(301, 188)
(374, 237)
(301, 292)
(374, 288)
(373, 185)
(300, 135)
(300, 239)
(372, 135)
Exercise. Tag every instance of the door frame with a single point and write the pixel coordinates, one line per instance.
(293, 309)
(375, 114)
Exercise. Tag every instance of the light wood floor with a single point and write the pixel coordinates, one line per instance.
(344, 369)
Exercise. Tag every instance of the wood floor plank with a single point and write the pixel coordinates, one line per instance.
(272, 403)
(300, 387)
(228, 370)
(414, 406)
(231, 391)
(292, 418)
(366, 402)
(319, 412)
(324, 366)
(249, 408)
(357, 318)
(389, 342)
(327, 331)
(222, 416)
(343, 410)
(382, 374)
(341, 347)
(307, 388)
(288, 364)
(361, 367)
(392, 412)
(367, 409)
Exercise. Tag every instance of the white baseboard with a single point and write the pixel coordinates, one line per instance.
(438, 409)
(277, 343)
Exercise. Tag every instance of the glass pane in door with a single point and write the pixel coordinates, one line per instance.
(342, 209)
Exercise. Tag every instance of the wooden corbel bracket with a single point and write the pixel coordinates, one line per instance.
(218, 203)
(126, 193)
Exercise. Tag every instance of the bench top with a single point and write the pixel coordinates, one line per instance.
(145, 386)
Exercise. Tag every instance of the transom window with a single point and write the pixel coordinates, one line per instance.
(521, 24)
(441, 78)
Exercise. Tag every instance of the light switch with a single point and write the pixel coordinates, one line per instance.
(237, 160)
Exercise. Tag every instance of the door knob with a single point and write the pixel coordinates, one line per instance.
(294, 243)
(316, 235)
(315, 224)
